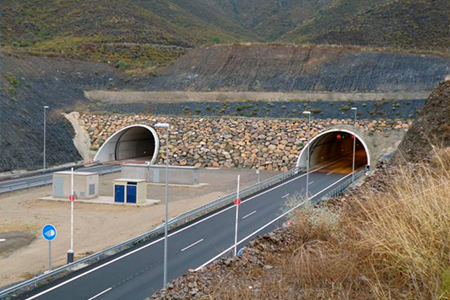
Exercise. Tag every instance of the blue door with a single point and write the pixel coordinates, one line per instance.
(119, 193)
(131, 194)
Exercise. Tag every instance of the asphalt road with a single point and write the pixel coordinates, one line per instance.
(138, 273)
(44, 179)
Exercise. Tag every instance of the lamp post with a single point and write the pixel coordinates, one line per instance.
(308, 113)
(45, 132)
(166, 126)
(259, 161)
(354, 147)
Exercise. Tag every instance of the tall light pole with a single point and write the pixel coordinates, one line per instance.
(354, 148)
(259, 161)
(166, 126)
(45, 132)
(308, 113)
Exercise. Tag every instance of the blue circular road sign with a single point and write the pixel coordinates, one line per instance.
(49, 232)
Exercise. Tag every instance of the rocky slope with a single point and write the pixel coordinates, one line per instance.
(29, 83)
(431, 129)
(233, 143)
(306, 68)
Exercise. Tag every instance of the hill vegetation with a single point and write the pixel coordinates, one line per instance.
(102, 30)
(422, 24)
(150, 33)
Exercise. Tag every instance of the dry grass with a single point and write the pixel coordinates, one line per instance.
(403, 236)
(393, 245)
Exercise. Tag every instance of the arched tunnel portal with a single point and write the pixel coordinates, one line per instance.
(332, 151)
(135, 143)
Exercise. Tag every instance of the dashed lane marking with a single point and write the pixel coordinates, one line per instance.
(246, 216)
(99, 294)
(192, 245)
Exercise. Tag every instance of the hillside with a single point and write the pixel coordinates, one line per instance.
(203, 19)
(270, 19)
(423, 24)
(431, 129)
(148, 33)
(281, 68)
(93, 29)
(27, 84)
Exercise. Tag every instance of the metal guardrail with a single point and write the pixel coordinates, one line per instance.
(179, 220)
(44, 182)
(339, 190)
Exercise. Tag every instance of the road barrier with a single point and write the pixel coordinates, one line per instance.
(175, 222)
(44, 182)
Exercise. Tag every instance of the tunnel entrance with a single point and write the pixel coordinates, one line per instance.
(332, 151)
(133, 143)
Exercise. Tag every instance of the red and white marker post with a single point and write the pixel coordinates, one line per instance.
(70, 254)
(237, 202)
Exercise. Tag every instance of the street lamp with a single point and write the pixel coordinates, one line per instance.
(354, 147)
(307, 154)
(45, 132)
(166, 126)
(259, 161)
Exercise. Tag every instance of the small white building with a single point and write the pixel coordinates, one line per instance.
(85, 185)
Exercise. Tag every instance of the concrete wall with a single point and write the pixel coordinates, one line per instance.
(157, 174)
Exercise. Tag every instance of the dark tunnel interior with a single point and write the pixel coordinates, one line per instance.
(136, 143)
(334, 152)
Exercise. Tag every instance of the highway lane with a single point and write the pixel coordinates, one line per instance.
(138, 273)
(21, 183)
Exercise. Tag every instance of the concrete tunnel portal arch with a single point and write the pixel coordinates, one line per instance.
(334, 149)
(135, 143)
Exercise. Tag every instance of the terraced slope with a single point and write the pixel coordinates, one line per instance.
(282, 68)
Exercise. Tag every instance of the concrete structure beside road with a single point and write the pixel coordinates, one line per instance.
(85, 184)
(157, 174)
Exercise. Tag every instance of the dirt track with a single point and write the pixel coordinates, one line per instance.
(121, 97)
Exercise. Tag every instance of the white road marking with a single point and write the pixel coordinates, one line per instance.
(99, 294)
(192, 245)
(271, 222)
(287, 195)
(329, 173)
(159, 240)
(2, 240)
(311, 182)
(246, 216)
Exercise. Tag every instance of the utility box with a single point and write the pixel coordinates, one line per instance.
(132, 191)
(85, 184)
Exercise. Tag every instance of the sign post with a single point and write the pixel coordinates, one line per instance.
(237, 202)
(72, 199)
(49, 233)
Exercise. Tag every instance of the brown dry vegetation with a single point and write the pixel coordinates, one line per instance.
(391, 245)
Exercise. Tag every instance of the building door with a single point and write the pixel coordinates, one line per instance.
(131, 193)
(119, 193)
